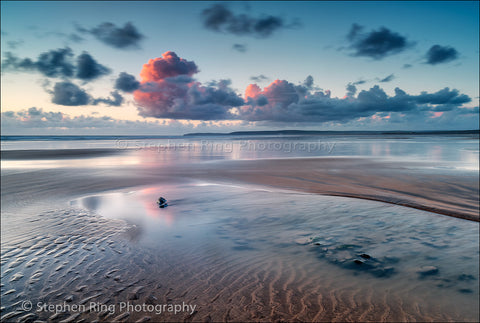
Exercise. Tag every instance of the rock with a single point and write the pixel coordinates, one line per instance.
(427, 271)
(162, 202)
(365, 256)
(465, 277)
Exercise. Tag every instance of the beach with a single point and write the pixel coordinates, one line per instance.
(247, 236)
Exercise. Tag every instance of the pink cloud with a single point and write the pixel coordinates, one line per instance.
(167, 90)
(169, 65)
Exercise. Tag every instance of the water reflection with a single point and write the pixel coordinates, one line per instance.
(435, 151)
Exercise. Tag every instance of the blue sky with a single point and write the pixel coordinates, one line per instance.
(426, 54)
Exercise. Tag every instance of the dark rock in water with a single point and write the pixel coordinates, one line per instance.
(352, 257)
(465, 277)
(162, 202)
(427, 271)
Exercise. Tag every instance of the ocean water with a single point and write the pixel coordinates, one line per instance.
(442, 153)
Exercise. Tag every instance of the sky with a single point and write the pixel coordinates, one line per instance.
(169, 68)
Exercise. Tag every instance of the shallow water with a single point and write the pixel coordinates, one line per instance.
(408, 255)
(443, 153)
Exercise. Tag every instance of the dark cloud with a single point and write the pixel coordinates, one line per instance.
(351, 90)
(308, 83)
(443, 97)
(58, 63)
(359, 82)
(88, 69)
(289, 103)
(115, 101)
(126, 83)
(69, 94)
(260, 78)
(221, 19)
(54, 63)
(240, 47)
(267, 25)
(34, 112)
(441, 54)
(376, 44)
(118, 37)
(168, 91)
(387, 79)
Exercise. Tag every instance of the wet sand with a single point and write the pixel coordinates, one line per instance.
(56, 253)
(55, 154)
(449, 194)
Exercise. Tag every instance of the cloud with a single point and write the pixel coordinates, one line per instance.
(440, 54)
(54, 63)
(69, 94)
(116, 100)
(88, 69)
(221, 19)
(240, 47)
(169, 65)
(359, 82)
(288, 103)
(58, 63)
(126, 82)
(260, 78)
(351, 90)
(167, 90)
(376, 44)
(36, 118)
(118, 37)
(308, 83)
(387, 79)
